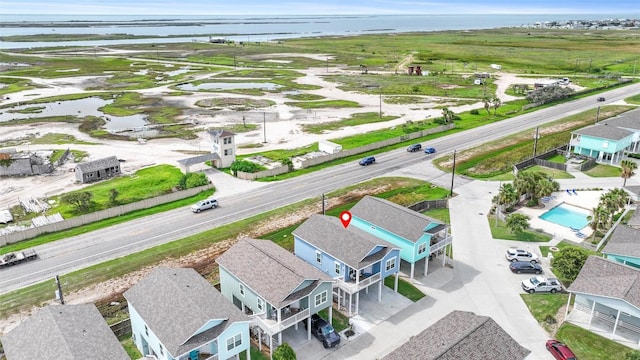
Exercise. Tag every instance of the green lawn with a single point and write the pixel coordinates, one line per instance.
(544, 250)
(601, 170)
(633, 99)
(255, 354)
(589, 346)
(405, 288)
(145, 183)
(339, 321)
(439, 214)
(553, 173)
(544, 307)
(502, 232)
(130, 347)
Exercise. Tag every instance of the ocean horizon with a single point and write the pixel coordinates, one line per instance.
(249, 28)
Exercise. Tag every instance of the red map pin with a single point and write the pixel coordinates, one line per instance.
(345, 218)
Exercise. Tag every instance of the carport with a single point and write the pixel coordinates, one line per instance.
(186, 164)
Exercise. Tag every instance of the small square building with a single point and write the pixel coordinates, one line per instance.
(223, 144)
(97, 170)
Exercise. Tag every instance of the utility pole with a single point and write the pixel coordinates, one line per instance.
(453, 173)
(327, 63)
(498, 207)
(380, 111)
(535, 142)
(264, 126)
(598, 114)
(59, 295)
(323, 209)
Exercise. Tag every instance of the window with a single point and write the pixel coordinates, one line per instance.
(228, 151)
(422, 248)
(321, 298)
(338, 268)
(390, 264)
(146, 330)
(161, 350)
(241, 289)
(227, 140)
(234, 341)
(260, 304)
(318, 257)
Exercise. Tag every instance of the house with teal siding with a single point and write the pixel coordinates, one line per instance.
(177, 315)
(354, 258)
(274, 287)
(418, 236)
(608, 140)
(624, 246)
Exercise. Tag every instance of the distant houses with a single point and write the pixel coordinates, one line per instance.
(97, 170)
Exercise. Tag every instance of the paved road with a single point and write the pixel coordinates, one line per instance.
(81, 251)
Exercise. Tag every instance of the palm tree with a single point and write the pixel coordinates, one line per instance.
(599, 217)
(517, 222)
(628, 167)
(487, 105)
(507, 195)
(496, 103)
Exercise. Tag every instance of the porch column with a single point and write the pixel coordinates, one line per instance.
(615, 326)
(280, 338)
(395, 284)
(248, 353)
(380, 290)
(566, 311)
(444, 256)
(350, 301)
(270, 346)
(593, 307)
(309, 328)
(331, 315)
(357, 301)
(259, 338)
(412, 266)
(426, 265)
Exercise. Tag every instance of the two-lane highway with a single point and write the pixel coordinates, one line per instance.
(80, 251)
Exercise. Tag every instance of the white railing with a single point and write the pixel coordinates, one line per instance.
(272, 327)
(212, 357)
(440, 244)
(352, 287)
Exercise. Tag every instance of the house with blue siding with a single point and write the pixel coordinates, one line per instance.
(355, 259)
(69, 332)
(608, 140)
(418, 236)
(607, 294)
(274, 287)
(177, 315)
(624, 246)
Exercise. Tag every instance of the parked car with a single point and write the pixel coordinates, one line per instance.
(601, 98)
(321, 329)
(541, 284)
(560, 351)
(414, 147)
(515, 254)
(526, 267)
(429, 150)
(205, 204)
(368, 161)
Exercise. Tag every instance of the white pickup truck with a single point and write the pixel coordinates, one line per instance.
(541, 284)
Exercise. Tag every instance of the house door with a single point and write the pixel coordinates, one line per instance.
(145, 347)
(237, 302)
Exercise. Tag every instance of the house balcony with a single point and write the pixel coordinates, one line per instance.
(439, 243)
(352, 287)
(289, 318)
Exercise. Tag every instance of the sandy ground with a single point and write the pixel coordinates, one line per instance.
(282, 126)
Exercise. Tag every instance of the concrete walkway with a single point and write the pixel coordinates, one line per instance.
(480, 280)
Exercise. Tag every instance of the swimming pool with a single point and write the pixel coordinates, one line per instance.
(568, 216)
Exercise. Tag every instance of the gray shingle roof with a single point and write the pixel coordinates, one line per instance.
(350, 245)
(461, 335)
(198, 159)
(155, 298)
(629, 120)
(634, 221)
(604, 131)
(99, 164)
(221, 133)
(64, 332)
(603, 277)
(624, 241)
(392, 217)
(269, 270)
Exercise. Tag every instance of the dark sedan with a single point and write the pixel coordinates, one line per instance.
(525, 267)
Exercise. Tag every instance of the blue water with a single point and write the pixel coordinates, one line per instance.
(265, 28)
(567, 216)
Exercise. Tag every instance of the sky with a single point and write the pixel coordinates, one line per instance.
(325, 7)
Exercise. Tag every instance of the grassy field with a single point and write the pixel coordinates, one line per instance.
(545, 307)
(405, 288)
(143, 184)
(602, 170)
(502, 232)
(589, 346)
(353, 120)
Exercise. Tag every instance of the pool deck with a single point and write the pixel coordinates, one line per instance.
(584, 199)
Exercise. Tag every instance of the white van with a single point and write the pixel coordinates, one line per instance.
(204, 205)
